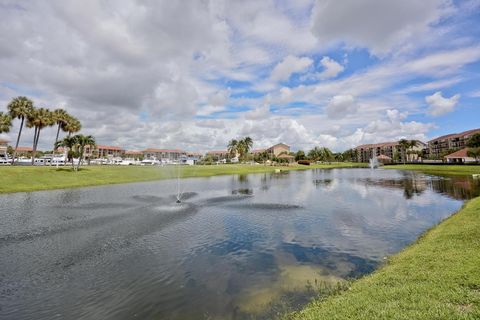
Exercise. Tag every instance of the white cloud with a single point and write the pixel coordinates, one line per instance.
(289, 65)
(331, 68)
(375, 24)
(341, 106)
(440, 105)
(258, 113)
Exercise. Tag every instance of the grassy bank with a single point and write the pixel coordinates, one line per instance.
(439, 169)
(18, 178)
(438, 277)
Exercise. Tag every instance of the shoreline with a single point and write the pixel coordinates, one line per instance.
(435, 277)
(39, 178)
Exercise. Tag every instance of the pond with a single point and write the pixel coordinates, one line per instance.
(237, 247)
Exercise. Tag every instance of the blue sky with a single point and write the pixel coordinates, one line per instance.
(194, 75)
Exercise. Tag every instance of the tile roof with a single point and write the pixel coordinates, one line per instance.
(24, 149)
(163, 150)
(457, 135)
(462, 153)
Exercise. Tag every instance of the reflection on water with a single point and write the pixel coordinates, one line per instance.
(237, 247)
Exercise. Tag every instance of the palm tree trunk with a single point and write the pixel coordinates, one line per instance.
(55, 145)
(34, 151)
(18, 140)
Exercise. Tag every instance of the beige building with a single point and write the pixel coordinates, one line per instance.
(459, 156)
(388, 151)
(3, 148)
(163, 154)
(102, 151)
(455, 141)
(278, 149)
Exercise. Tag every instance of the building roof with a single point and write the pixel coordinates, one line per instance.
(378, 145)
(462, 153)
(3, 141)
(217, 152)
(258, 151)
(279, 144)
(285, 156)
(383, 157)
(24, 149)
(163, 150)
(457, 135)
(133, 152)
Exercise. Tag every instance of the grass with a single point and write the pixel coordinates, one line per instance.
(437, 277)
(23, 178)
(439, 169)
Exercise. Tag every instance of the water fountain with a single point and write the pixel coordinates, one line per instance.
(373, 162)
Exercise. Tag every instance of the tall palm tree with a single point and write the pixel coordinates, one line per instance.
(69, 143)
(39, 119)
(61, 118)
(232, 147)
(5, 122)
(73, 125)
(20, 108)
(248, 143)
(404, 145)
(82, 142)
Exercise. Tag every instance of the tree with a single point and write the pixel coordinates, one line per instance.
(300, 155)
(474, 141)
(474, 153)
(320, 154)
(5, 122)
(61, 118)
(20, 108)
(404, 145)
(39, 119)
(244, 146)
(83, 141)
(72, 125)
(70, 143)
(232, 148)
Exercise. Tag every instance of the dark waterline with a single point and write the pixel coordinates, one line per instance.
(236, 247)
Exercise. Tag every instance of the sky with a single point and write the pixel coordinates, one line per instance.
(195, 74)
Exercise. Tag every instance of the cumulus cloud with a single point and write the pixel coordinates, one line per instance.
(439, 105)
(341, 106)
(289, 65)
(331, 68)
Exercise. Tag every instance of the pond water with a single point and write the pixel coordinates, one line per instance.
(237, 247)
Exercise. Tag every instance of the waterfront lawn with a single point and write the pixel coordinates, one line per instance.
(438, 277)
(439, 169)
(26, 178)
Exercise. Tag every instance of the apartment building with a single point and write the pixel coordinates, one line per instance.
(388, 151)
(438, 147)
(163, 154)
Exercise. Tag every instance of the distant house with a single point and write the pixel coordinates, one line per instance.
(135, 154)
(459, 156)
(277, 149)
(3, 148)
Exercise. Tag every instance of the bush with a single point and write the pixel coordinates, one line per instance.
(304, 162)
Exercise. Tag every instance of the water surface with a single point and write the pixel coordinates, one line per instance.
(237, 247)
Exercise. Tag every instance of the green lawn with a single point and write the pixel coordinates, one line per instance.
(439, 169)
(438, 277)
(23, 178)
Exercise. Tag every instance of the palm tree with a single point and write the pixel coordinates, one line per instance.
(20, 108)
(247, 144)
(69, 143)
(404, 145)
(73, 125)
(5, 122)
(232, 148)
(83, 141)
(39, 119)
(61, 118)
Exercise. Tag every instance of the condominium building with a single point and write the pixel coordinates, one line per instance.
(387, 151)
(440, 146)
(163, 154)
(102, 151)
